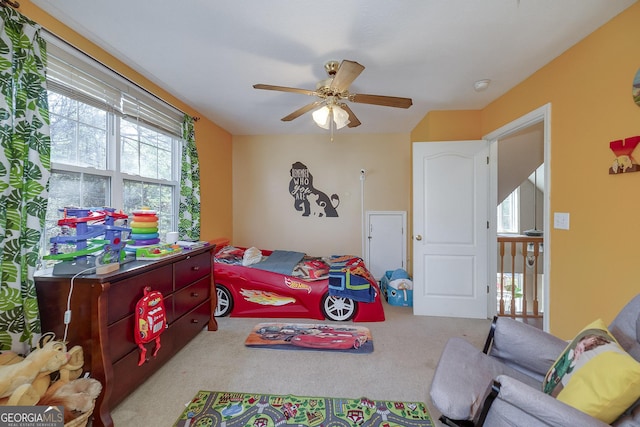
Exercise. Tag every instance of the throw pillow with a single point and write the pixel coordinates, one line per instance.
(595, 375)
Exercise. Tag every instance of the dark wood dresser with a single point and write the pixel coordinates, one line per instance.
(102, 318)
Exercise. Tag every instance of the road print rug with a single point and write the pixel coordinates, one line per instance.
(307, 336)
(217, 408)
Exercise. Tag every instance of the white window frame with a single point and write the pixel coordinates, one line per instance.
(122, 99)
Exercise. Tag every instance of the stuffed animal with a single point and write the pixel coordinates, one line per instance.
(24, 380)
(76, 396)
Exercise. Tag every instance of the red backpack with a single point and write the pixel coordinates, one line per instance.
(151, 321)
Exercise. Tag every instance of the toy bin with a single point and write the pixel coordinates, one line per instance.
(397, 288)
(384, 283)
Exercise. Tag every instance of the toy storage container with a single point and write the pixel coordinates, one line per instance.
(397, 288)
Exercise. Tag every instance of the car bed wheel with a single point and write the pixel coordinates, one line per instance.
(338, 308)
(225, 302)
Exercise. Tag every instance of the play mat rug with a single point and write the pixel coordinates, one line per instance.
(306, 336)
(216, 408)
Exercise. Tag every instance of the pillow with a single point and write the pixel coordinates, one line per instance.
(595, 375)
(229, 255)
(251, 256)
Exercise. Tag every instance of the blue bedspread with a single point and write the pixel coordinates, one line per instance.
(282, 262)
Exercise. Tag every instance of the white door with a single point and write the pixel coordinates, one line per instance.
(386, 241)
(450, 220)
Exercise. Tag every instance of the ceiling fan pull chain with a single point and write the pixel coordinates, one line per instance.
(331, 122)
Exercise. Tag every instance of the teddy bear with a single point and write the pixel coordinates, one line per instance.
(76, 396)
(24, 380)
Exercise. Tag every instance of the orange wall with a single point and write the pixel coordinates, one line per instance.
(458, 125)
(592, 265)
(213, 142)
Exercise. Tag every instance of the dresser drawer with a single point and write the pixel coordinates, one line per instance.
(124, 295)
(191, 269)
(121, 340)
(127, 375)
(190, 325)
(187, 298)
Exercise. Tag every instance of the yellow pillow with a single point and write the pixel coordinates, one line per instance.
(595, 375)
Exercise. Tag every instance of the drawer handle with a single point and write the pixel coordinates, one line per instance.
(195, 321)
(195, 294)
(195, 268)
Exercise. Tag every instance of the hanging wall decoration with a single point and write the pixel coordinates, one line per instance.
(624, 150)
(308, 199)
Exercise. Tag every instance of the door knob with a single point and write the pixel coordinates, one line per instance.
(418, 237)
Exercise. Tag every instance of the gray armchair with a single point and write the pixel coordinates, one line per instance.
(501, 385)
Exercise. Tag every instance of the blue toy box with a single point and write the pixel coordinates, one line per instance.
(397, 288)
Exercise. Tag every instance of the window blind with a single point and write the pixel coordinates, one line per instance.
(75, 74)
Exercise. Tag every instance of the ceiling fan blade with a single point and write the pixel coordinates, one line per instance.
(353, 120)
(285, 89)
(347, 73)
(301, 111)
(386, 101)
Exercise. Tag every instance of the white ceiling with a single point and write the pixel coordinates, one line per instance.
(209, 53)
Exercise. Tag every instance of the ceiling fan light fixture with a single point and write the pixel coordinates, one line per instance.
(340, 117)
(323, 117)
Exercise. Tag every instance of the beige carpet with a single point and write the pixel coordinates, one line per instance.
(407, 349)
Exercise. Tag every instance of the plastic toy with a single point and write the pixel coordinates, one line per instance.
(89, 223)
(144, 227)
(397, 288)
(155, 252)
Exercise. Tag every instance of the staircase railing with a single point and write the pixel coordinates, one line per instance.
(519, 276)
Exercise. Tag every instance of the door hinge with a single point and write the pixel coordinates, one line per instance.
(487, 288)
(487, 225)
(487, 159)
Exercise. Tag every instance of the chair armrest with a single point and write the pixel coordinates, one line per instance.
(524, 347)
(534, 406)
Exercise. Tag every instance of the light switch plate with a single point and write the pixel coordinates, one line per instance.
(561, 220)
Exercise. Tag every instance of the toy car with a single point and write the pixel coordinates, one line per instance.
(246, 291)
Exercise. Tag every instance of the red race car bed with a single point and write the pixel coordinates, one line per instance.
(287, 284)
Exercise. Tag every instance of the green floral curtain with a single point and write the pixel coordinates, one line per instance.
(24, 173)
(189, 213)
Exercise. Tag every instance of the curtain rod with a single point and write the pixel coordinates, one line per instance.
(195, 119)
(7, 3)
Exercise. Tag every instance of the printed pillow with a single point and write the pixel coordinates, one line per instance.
(595, 375)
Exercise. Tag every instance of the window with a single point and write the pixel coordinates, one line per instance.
(508, 213)
(112, 144)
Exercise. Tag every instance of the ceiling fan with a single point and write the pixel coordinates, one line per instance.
(332, 92)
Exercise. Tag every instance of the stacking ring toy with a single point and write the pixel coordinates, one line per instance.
(145, 242)
(143, 236)
(144, 212)
(145, 218)
(140, 224)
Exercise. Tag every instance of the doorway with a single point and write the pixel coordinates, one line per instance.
(542, 116)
